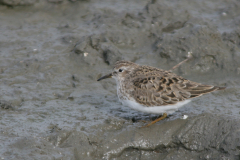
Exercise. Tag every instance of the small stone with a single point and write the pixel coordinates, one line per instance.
(224, 13)
(85, 54)
(184, 116)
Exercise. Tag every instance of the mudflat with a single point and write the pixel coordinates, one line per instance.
(52, 53)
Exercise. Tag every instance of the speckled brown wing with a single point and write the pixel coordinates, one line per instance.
(155, 87)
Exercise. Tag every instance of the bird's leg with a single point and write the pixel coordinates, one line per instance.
(189, 56)
(156, 120)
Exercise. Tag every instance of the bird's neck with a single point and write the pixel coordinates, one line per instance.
(122, 91)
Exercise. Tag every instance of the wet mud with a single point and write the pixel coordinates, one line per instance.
(52, 52)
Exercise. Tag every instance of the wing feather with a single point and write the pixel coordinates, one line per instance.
(164, 88)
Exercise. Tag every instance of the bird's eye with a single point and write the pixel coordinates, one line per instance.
(120, 70)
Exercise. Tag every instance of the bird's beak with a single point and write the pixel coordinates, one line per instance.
(106, 76)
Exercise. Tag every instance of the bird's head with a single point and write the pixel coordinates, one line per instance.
(120, 70)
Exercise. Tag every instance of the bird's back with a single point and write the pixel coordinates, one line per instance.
(150, 86)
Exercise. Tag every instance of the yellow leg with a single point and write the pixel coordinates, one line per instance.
(156, 120)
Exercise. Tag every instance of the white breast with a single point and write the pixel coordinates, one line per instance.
(169, 109)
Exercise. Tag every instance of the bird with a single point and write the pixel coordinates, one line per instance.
(153, 90)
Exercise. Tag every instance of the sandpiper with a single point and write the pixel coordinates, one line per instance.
(152, 90)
